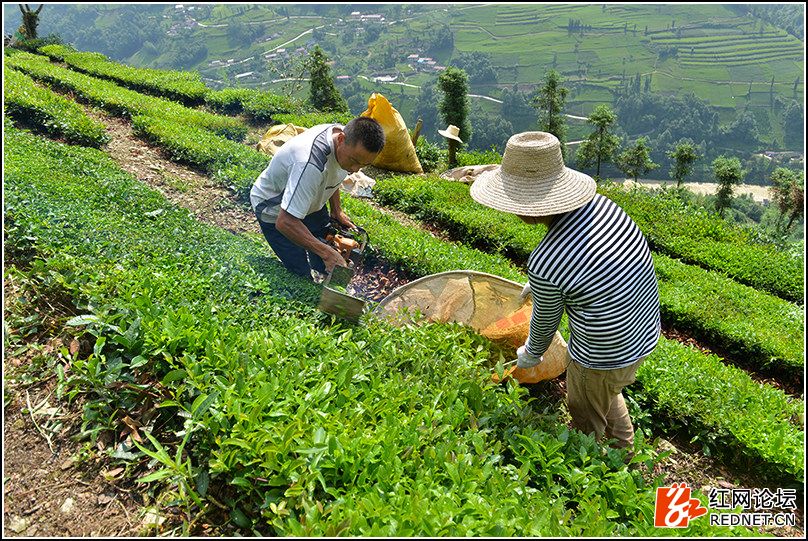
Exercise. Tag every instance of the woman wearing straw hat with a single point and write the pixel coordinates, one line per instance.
(595, 263)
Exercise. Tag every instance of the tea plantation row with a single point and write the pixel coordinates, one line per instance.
(42, 109)
(182, 86)
(121, 101)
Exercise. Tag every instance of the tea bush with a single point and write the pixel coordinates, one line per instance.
(419, 253)
(121, 101)
(184, 86)
(42, 109)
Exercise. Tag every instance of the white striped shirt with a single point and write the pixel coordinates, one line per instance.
(595, 262)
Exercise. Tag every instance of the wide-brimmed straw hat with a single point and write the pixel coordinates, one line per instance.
(532, 179)
(452, 132)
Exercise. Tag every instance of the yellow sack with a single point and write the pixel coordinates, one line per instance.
(398, 153)
(276, 136)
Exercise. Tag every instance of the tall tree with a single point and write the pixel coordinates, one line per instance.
(788, 193)
(728, 174)
(30, 20)
(454, 107)
(323, 95)
(684, 156)
(549, 101)
(636, 160)
(601, 145)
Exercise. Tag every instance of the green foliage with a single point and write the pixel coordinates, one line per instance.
(323, 95)
(477, 65)
(318, 427)
(34, 45)
(478, 157)
(228, 101)
(636, 160)
(683, 156)
(788, 191)
(121, 101)
(737, 414)
(42, 109)
(549, 101)
(670, 119)
(259, 105)
(184, 86)
(794, 121)
(266, 106)
(491, 131)
(601, 145)
(430, 155)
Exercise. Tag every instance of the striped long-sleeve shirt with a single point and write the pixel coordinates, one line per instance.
(595, 262)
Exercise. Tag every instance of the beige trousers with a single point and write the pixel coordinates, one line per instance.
(595, 400)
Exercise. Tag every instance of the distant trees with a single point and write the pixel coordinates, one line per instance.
(442, 39)
(182, 54)
(794, 119)
(601, 145)
(323, 95)
(516, 109)
(743, 129)
(490, 130)
(636, 160)
(684, 156)
(426, 109)
(477, 65)
(666, 119)
(549, 101)
(728, 174)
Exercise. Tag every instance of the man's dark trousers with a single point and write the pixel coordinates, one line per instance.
(293, 256)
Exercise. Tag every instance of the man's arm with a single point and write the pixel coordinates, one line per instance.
(295, 230)
(336, 212)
